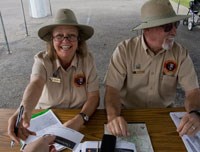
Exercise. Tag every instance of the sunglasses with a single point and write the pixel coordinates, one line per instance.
(168, 27)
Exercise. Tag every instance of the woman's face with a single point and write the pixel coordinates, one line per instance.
(65, 42)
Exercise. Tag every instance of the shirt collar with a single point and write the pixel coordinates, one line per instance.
(74, 63)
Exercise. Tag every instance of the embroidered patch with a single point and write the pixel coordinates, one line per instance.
(170, 67)
(79, 80)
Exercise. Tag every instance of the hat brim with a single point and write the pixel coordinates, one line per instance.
(159, 22)
(85, 32)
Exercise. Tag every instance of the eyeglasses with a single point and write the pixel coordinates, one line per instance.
(168, 27)
(69, 37)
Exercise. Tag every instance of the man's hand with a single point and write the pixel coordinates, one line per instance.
(189, 125)
(43, 144)
(118, 126)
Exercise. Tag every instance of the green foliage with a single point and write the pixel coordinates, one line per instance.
(183, 2)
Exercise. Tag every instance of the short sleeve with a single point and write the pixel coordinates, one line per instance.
(187, 75)
(92, 80)
(117, 69)
(38, 68)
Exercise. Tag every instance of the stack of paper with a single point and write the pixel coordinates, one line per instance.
(138, 141)
(45, 123)
(192, 144)
(95, 146)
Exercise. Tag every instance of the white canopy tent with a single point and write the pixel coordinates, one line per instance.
(37, 10)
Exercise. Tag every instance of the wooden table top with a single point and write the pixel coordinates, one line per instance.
(161, 129)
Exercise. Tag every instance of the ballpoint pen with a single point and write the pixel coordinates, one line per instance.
(19, 117)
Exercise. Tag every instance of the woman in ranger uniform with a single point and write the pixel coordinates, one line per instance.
(64, 76)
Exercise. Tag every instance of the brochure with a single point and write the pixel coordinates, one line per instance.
(192, 144)
(46, 122)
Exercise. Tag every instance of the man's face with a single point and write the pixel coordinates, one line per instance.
(169, 40)
(164, 35)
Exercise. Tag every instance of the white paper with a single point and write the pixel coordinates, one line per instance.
(91, 146)
(48, 123)
(192, 144)
(138, 136)
(125, 146)
(94, 146)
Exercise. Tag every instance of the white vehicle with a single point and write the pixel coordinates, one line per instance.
(194, 12)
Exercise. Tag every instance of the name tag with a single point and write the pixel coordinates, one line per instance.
(53, 79)
(138, 72)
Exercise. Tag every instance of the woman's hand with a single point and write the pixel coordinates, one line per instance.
(75, 123)
(23, 132)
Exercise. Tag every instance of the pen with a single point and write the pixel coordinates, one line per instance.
(19, 118)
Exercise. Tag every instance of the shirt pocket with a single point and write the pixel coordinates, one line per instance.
(55, 91)
(138, 79)
(168, 85)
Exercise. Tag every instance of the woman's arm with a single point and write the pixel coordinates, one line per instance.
(88, 108)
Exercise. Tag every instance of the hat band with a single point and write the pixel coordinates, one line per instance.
(66, 22)
(146, 19)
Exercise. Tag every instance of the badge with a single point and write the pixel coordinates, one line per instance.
(170, 67)
(137, 66)
(54, 79)
(138, 72)
(138, 69)
(79, 80)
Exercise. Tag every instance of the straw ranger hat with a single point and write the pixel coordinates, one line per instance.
(158, 12)
(65, 17)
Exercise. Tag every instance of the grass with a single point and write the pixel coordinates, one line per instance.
(183, 2)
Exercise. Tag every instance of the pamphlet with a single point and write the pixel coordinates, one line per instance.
(139, 136)
(192, 143)
(46, 122)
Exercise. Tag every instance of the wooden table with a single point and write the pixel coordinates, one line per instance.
(161, 129)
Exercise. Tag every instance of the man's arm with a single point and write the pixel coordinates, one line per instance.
(116, 123)
(190, 123)
(112, 103)
(192, 101)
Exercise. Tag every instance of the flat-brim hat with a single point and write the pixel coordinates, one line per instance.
(158, 12)
(65, 17)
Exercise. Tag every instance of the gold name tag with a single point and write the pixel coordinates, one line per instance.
(138, 72)
(53, 79)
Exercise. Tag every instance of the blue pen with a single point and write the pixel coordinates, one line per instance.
(19, 118)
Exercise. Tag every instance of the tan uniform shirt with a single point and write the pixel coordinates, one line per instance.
(65, 89)
(148, 80)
